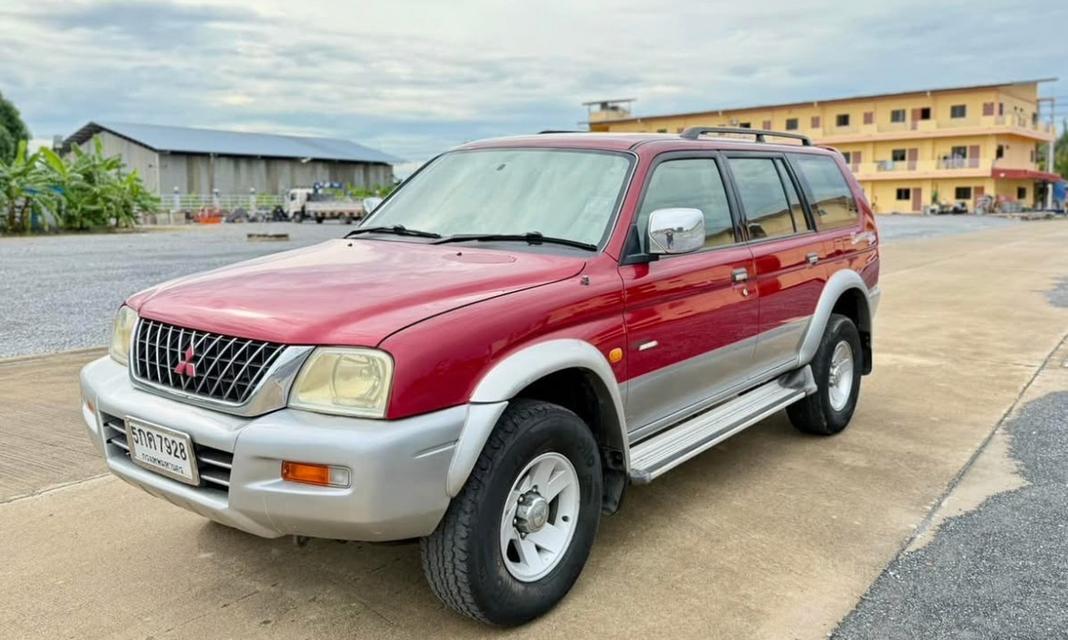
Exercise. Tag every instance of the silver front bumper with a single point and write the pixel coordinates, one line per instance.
(399, 467)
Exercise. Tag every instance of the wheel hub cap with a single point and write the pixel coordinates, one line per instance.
(532, 512)
(840, 378)
(540, 516)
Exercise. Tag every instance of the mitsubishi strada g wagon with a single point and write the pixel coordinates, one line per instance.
(523, 329)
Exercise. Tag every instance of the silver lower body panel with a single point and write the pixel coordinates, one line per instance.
(398, 467)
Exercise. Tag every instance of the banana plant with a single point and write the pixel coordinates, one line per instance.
(96, 191)
(22, 183)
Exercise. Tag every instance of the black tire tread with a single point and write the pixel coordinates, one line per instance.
(809, 415)
(442, 552)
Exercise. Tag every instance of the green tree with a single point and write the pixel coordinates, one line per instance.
(12, 125)
(8, 145)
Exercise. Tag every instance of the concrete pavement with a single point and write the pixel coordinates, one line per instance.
(770, 535)
(39, 446)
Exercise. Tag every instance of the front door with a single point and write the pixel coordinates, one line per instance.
(691, 319)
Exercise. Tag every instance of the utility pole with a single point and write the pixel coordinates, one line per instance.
(1050, 148)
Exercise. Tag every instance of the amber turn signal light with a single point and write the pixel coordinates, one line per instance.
(323, 475)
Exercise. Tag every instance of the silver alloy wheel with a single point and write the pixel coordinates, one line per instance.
(840, 385)
(540, 516)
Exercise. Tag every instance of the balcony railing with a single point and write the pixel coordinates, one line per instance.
(908, 166)
(958, 163)
(895, 165)
(1017, 121)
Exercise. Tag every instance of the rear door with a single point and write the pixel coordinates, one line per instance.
(691, 319)
(786, 253)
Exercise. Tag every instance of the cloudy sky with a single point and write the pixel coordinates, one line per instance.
(413, 78)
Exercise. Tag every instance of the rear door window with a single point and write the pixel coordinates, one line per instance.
(832, 202)
(692, 183)
(767, 211)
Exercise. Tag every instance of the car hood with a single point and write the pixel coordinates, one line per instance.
(346, 292)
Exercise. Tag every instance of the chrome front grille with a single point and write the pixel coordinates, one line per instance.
(213, 464)
(205, 364)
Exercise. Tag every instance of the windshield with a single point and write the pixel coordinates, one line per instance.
(558, 193)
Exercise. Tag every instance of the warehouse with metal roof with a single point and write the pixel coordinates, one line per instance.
(190, 160)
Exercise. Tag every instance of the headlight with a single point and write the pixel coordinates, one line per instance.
(122, 333)
(344, 381)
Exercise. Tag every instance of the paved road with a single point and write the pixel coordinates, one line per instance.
(770, 535)
(61, 292)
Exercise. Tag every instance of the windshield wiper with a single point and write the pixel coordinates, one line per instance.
(397, 229)
(530, 237)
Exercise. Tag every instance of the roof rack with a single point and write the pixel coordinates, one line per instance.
(545, 131)
(693, 133)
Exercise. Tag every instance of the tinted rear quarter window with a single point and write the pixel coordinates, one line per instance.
(832, 202)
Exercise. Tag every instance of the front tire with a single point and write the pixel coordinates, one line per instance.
(515, 539)
(837, 367)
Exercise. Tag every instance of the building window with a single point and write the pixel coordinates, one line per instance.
(897, 155)
(815, 122)
(897, 115)
(958, 111)
(1021, 193)
(1032, 156)
(1000, 153)
(904, 194)
(962, 193)
(746, 125)
(841, 120)
(958, 152)
(848, 157)
(924, 113)
(791, 124)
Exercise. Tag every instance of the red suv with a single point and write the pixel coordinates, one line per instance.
(524, 328)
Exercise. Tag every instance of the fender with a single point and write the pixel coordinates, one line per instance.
(837, 284)
(510, 376)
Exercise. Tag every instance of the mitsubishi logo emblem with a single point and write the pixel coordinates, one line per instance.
(186, 367)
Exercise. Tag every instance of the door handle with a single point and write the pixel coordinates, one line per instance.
(739, 275)
(812, 258)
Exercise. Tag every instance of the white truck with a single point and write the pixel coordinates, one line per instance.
(307, 203)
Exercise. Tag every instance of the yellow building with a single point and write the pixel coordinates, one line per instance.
(908, 150)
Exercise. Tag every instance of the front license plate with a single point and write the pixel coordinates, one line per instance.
(162, 450)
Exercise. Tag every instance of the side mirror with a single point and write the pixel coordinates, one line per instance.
(676, 231)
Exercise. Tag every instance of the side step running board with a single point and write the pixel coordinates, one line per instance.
(663, 452)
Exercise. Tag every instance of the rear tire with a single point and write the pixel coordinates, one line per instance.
(504, 553)
(837, 367)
